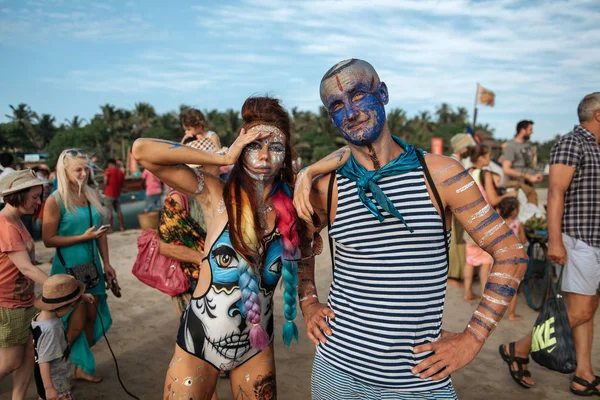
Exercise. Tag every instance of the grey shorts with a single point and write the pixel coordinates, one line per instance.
(112, 203)
(582, 270)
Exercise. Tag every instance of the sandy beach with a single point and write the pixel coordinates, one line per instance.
(145, 325)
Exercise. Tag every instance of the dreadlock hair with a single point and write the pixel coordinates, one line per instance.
(245, 232)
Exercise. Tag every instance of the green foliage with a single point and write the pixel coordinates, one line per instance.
(112, 130)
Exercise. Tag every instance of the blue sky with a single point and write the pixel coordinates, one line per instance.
(67, 58)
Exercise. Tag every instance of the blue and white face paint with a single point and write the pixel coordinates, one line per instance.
(264, 158)
(355, 99)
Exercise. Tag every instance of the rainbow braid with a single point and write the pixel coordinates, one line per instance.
(289, 240)
(249, 288)
(248, 281)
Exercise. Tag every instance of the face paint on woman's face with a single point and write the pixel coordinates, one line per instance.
(354, 107)
(264, 158)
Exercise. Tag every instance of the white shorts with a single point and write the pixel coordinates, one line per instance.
(582, 270)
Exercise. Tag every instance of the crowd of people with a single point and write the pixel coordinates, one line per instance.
(401, 224)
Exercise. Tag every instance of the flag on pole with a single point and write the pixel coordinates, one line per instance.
(485, 96)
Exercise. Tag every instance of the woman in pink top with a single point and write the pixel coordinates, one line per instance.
(22, 193)
(154, 189)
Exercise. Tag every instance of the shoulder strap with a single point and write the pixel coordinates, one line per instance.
(437, 198)
(184, 198)
(329, 195)
(58, 253)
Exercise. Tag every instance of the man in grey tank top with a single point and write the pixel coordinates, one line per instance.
(367, 193)
(518, 162)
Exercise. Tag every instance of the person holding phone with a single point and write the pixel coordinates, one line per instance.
(72, 216)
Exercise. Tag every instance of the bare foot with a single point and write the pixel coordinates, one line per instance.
(469, 297)
(80, 374)
(515, 317)
(122, 229)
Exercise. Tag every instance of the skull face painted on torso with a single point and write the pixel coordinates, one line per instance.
(219, 333)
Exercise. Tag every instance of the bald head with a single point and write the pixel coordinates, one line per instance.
(355, 99)
(346, 73)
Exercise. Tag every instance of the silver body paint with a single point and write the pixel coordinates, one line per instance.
(494, 300)
(221, 207)
(200, 178)
(504, 276)
(444, 170)
(479, 214)
(486, 318)
(463, 188)
(490, 232)
(507, 248)
(481, 335)
(265, 169)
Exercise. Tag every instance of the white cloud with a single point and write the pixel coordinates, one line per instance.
(530, 53)
(94, 21)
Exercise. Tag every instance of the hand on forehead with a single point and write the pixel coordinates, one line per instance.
(268, 132)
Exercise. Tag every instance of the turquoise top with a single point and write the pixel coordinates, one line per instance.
(71, 224)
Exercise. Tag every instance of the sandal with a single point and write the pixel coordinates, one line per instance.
(520, 373)
(590, 387)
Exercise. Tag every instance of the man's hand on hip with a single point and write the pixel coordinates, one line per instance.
(450, 353)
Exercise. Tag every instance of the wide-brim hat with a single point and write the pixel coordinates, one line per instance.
(16, 181)
(461, 141)
(59, 290)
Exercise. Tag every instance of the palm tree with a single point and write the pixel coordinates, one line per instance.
(143, 117)
(444, 114)
(74, 123)
(24, 118)
(45, 130)
(397, 122)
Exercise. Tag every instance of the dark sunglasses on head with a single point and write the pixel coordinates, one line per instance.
(76, 152)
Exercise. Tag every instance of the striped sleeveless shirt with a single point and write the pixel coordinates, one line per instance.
(388, 284)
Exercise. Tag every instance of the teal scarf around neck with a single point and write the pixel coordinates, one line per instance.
(367, 180)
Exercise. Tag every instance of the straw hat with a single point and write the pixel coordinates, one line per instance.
(461, 141)
(19, 180)
(59, 290)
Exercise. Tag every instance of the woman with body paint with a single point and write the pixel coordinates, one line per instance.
(251, 242)
(72, 223)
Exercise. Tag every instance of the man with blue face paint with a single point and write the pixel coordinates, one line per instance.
(387, 206)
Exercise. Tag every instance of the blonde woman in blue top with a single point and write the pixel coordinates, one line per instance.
(72, 217)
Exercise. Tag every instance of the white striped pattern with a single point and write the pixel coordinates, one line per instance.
(329, 383)
(389, 285)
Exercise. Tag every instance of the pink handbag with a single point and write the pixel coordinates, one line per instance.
(156, 270)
